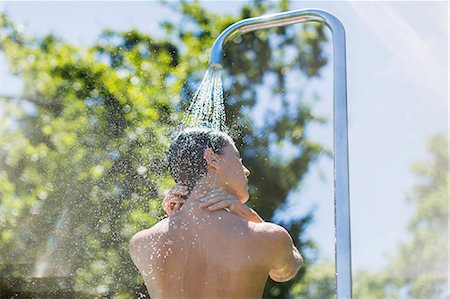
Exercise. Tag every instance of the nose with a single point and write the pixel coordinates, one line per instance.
(246, 171)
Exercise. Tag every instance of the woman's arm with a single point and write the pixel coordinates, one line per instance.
(223, 200)
(220, 199)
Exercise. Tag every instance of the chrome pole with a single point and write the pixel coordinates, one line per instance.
(340, 132)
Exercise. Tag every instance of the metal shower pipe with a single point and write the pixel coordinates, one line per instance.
(340, 132)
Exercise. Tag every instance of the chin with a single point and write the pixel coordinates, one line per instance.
(244, 197)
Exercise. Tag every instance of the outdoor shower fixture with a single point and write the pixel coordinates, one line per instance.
(340, 132)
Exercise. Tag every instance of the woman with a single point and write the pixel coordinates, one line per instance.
(211, 245)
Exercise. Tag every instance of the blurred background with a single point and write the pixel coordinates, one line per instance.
(89, 92)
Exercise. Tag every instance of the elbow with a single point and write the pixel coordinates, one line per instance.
(298, 259)
(298, 266)
(300, 262)
(278, 277)
(283, 278)
(296, 269)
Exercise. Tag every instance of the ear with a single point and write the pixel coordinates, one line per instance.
(211, 158)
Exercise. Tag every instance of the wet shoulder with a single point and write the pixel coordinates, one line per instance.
(268, 236)
(258, 234)
(146, 234)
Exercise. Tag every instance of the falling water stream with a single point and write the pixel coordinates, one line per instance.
(207, 109)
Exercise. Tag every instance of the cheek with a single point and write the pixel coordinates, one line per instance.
(233, 171)
(237, 172)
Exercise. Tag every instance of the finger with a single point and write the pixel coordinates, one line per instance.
(179, 193)
(173, 207)
(176, 208)
(168, 210)
(211, 199)
(215, 195)
(165, 204)
(176, 200)
(222, 201)
(218, 191)
(218, 206)
(170, 201)
(180, 190)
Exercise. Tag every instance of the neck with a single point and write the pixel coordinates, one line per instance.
(203, 187)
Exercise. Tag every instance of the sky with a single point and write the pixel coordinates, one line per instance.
(397, 89)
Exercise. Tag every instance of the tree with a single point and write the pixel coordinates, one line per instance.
(318, 283)
(419, 268)
(82, 150)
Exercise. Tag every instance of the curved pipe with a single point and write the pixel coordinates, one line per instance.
(340, 128)
(270, 21)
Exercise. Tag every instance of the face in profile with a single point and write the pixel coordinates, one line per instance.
(231, 173)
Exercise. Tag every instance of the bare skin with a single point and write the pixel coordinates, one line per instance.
(212, 245)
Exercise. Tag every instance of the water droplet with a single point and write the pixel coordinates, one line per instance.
(140, 131)
(132, 136)
(122, 73)
(134, 80)
(145, 65)
(142, 170)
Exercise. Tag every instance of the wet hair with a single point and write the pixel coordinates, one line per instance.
(185, 158)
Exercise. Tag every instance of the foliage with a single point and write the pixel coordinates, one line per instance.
(419, 268)
(82, 148)
(318, 283)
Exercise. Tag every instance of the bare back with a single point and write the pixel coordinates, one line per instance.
(203, 255)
